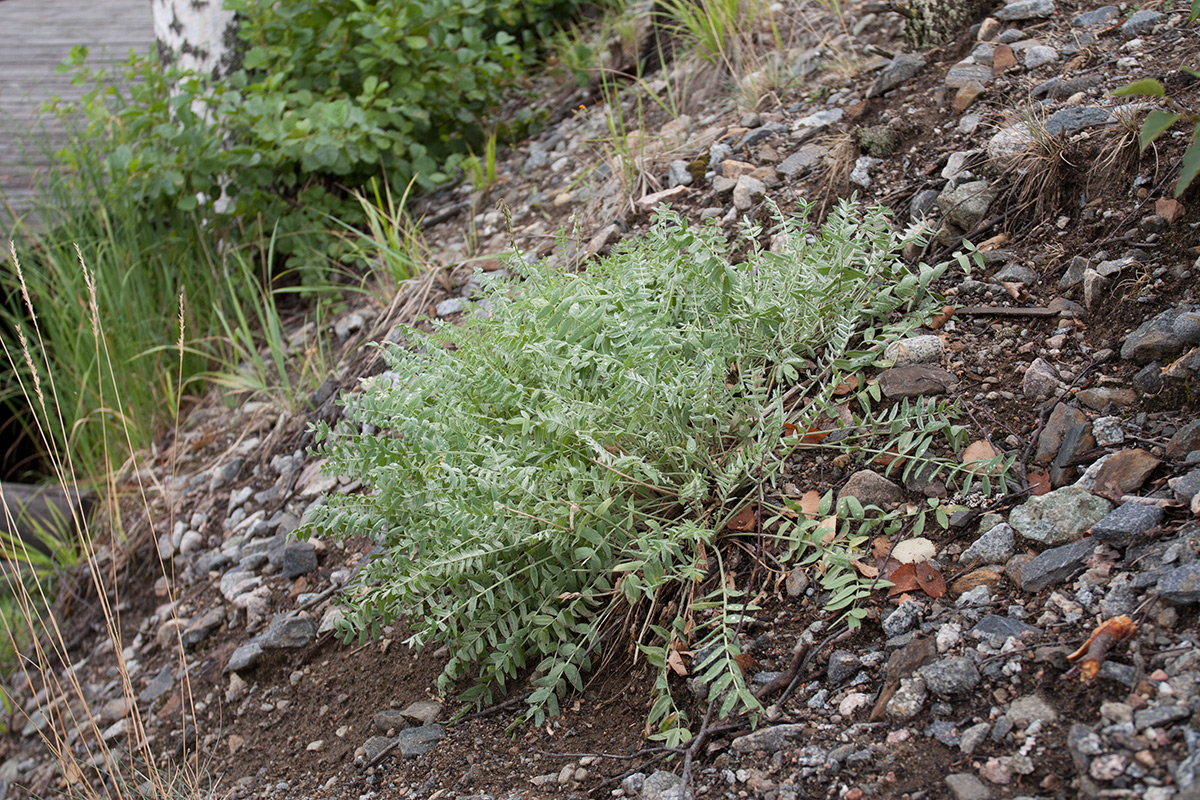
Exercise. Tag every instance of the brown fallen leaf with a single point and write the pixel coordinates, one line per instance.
(1039, 483)
(904, 579)
(847, 386)
(747, 663)
(1093, 652)
(866, 570)
(745, 520)
(938, 321)
(1124, 473)
(929, 579)
(978, 451)
(675, 662)
(810, 503)
(829, 526)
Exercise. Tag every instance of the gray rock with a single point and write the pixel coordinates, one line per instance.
(901, 69)
(951, 676)
(915, 381)
(1185, 440)
(661, 785)
(1108, 431)
(1040, 380)
(1187, 327)
(1056, 565)
(1186, 486)
(966, 786)
(1155, 339)
(1160, 716)
(1060, 516)
(632, 785)
(202, 627)
(820, 119)
(861, 174)
(1141, 22)
(422, 712)
(678, 174)
(842, 666)
(237, 582)
(926, 349)
(996, 546)
(1032, 707)
(1025, 9)
(902, 619)
(964, 73)
(390, 719)
(769, 739)
(967, 204)
(159, 685)
(973, 736)
(1008, 143)
(1149, 379)
(997, 629)
(944, 731)
(872, 489)
(803, 160)
(287, 631)
(1187, 777)
(299, 559)
(451, 305)
(747, 192)
(1073, 276)
(1098, 17)
(1072, 120)
(922, 204)
(1127, 524)
(1181, 585)
(244, 657)
(374, 747)
(909, 698)
(1039, 56)
(419, 741)
(1017, 273)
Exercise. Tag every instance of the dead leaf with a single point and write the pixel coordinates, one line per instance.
(747, 663)
(675, 662)
(938, 321)
(810, 503)
(745, 520)
(1013, 289)
(829, 526)
(1123, 473)
(999, 240)
(1095, 649)
(866, 570)
(929, 579)
(904, 579)
(847, 386)
(1039, 483)
(880, 547)
(914, 551)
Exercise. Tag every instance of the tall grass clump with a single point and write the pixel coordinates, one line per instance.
(551, 481)
(95, 760)
(138, 265)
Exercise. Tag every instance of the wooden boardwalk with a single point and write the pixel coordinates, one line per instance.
(35, 37)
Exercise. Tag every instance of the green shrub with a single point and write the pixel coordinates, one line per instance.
(329, 95)
(563, 464)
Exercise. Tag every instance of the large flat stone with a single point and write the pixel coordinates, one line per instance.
(1056, 565)
(915, 381)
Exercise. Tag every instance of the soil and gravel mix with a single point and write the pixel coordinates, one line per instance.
(1074, 348)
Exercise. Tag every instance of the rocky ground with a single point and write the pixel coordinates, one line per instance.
(1073, 349)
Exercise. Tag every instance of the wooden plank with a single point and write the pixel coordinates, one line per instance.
(36, 36)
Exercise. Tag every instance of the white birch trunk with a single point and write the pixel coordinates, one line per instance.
(195, 34)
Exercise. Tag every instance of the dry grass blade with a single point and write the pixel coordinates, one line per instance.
(95, 759)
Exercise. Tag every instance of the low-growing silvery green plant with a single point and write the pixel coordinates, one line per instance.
(551, 481)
